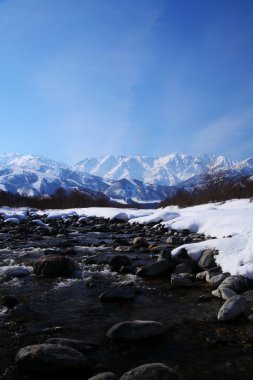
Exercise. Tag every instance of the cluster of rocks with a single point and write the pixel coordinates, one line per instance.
(146, 255)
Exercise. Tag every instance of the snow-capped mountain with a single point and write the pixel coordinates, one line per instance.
(143, 179)
(169, 170)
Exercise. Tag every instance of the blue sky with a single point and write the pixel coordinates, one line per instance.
(143, 77)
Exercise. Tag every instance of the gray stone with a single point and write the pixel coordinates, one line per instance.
(215, 281)
(158, 268)
(207, 259)
(78, 345)
(49, 358)
(54, 266)
(224, 293)
(152, 371)
(180, 281)
(136, 330)
(123, 248)
(16, 271)
(104, 376)
(237, 283)
(234, 307)
(118, 294)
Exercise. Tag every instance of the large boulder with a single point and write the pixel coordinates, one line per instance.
(234, 307)
(158, 268)
(49, 358)
(54, 266)
(152, 371)
(136, 330)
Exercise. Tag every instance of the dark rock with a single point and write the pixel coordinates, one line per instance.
(120, 294)
(184, 268)
(237, 283)
(8, 301)
(54, 266)
(201, 276)
(136, 330)
(104, 376)
(49, 358)
(158, 268)
(78, 345)
(180, 281)
(152, 371)
(233, 308)
(117, 261)
(207, 259)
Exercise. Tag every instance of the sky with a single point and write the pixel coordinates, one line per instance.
(85, 78)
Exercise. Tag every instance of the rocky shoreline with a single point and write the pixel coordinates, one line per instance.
(96, 298)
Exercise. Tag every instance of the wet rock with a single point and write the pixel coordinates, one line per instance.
(232, 308)
(215, 281)
(237, 283)
(104, 376)
(181, 281)
(120, 294)
(159, 268)
(49, 358)
(8, 301)
(224, 293)
(78, 345)
(140, 242)
(207, 259)
(117, 261)
(136, 330)
(152, 371)
(54, 266)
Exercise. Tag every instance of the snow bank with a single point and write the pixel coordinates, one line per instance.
(230, 223)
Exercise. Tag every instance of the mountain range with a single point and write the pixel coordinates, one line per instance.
(142, 179)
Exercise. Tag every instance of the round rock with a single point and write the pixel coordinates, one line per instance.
(237, 283)
(49, 358)
(158, 268)
(136, 330)
(152, 371)
(54, 266)
(232, 308)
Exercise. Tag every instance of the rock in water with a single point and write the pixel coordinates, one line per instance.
(54, 266)
(136, 330)
(49, 358)
(232, 308)
(78, 345)
(152, 371)
(119, 295)
(158, 268)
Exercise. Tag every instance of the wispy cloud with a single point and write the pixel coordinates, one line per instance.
(231, 131)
